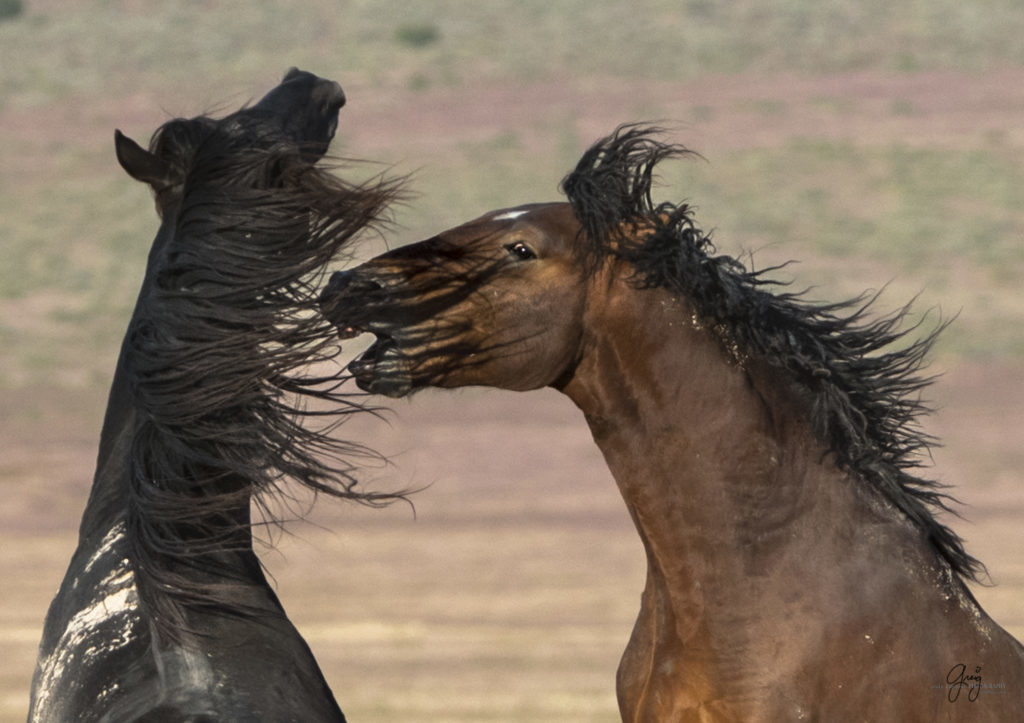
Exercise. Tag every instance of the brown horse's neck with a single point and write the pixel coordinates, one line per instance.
(713, 472)
(707, 458)
(761, 553)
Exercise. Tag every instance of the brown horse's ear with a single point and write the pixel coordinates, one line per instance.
(140, 163)
(637, 231)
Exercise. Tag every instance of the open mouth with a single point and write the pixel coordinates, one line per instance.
(382, 368)
(349, 331)
(365, 367)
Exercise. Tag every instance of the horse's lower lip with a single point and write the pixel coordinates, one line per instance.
(381, 369)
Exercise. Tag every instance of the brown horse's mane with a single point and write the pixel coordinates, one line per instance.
(219, 355)
(863, 378)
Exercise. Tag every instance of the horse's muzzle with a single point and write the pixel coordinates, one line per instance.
(350, 283)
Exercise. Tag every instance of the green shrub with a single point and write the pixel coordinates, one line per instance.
(11, 8)
(418, 35)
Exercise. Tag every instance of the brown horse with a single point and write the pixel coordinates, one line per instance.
(766, 447)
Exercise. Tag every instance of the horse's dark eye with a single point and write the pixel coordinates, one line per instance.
(521, 251)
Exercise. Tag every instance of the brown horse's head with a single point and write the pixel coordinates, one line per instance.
(501, 301)
(498, 301)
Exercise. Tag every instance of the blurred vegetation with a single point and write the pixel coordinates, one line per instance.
(10, 9)
(417, 36)
(55, 48)
(74, 231)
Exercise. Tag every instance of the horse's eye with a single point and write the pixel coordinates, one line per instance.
(521, 251)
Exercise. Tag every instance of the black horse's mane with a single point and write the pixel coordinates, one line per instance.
(220, 355)
(865, 389)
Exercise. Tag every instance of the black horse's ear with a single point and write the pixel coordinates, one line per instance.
(140, 163)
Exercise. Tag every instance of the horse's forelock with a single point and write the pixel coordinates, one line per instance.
(610, 189)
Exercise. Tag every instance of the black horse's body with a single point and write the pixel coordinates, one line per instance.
(102, 658)
(165, 613)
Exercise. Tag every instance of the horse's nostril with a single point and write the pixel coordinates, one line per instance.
(337, 96)
(337, 284)
(330, 94)
(349, 283)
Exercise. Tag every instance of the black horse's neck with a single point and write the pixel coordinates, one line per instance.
(164, 613)
(137, 451)
(107, 496)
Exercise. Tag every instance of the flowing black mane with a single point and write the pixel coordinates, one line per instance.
(219, 354)
(865, 390)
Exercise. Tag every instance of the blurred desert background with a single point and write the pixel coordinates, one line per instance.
(878, 144)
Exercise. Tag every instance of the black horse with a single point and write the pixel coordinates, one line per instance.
(165, 613)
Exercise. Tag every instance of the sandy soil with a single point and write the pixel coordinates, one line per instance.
(511, 592)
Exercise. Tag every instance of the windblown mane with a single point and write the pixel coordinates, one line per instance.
(219, 355)
(865, 389)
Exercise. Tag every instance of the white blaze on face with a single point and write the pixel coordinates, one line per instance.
(110, 606)
(508, 215)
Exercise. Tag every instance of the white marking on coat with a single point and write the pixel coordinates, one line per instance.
(508, 215)
(115, 600)
(114, 535)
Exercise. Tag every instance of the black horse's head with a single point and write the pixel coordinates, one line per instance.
(217, 371)
(297, 118)
(303, 108)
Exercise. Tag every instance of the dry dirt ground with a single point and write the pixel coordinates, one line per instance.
(511, 592)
